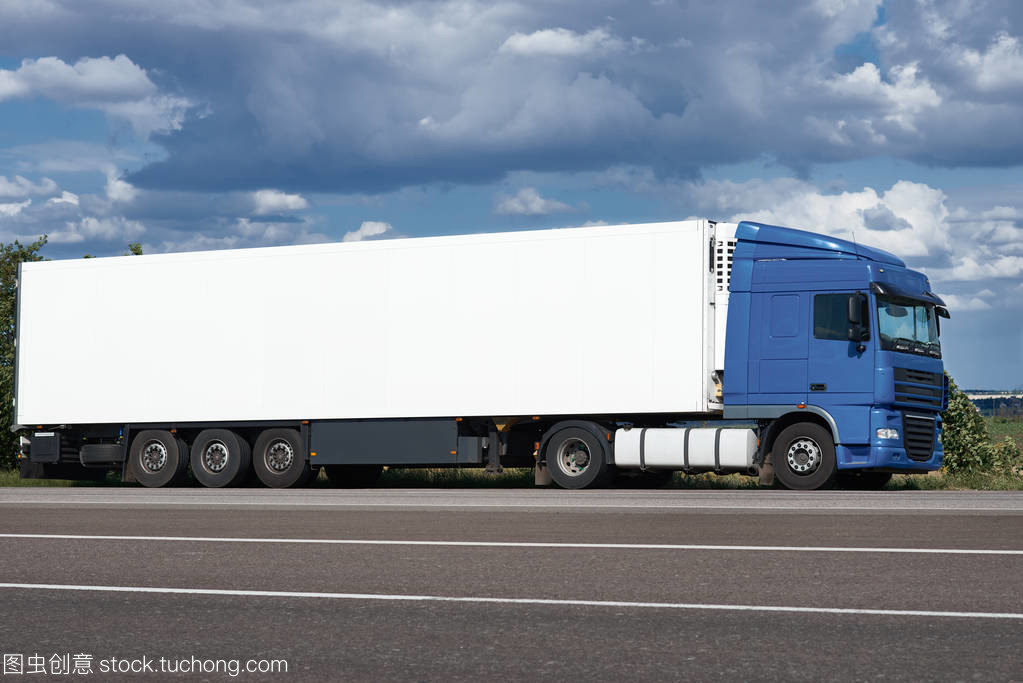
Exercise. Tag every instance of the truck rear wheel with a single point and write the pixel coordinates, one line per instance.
(220, 458)
(577, 459)
(804, 457)
(279, 459)
(158, 458)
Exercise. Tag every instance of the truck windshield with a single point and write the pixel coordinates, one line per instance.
(907, 325)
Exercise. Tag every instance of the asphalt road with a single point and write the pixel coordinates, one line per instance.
(521, 584)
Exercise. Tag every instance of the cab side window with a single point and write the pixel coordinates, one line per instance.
(831, 315)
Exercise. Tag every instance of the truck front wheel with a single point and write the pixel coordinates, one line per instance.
(220, 458)
(157, 458)
(279, 459)
(804, 457)
(577, 459)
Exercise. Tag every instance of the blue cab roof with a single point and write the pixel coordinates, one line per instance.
(773, 241)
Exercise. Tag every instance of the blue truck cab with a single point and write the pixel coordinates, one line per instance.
(833, 347)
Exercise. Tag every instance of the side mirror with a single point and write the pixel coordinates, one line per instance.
(858, 333)
(854, 310)
(941, 312)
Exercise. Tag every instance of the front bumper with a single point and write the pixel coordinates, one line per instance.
(891, 454)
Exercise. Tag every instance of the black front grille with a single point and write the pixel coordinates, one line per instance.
(918, 436)
(918, 376)
(908, 389)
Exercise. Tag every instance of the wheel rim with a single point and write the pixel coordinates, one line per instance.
(215, 456)
(278, 456)
(154, 456)
(804, 456)
(573, 457)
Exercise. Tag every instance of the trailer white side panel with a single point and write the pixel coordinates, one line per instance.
(585, 320)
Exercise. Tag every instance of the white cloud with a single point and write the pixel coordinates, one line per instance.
(528, 202)
(64, 198)
(274, 201)
(1002, 213)
(237, 234)
(88, 80)
(963, 303)
(119, 190)
(562, 42)
(904, 95)
(999, 67)
(22, 187)
(367, 229)
(10, 210)
(116, 86)
(104, 229)
(984, 266)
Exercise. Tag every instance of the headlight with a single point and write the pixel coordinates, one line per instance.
(887, 433)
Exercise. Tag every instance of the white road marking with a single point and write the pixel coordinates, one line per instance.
(512, 601)
(524, 544)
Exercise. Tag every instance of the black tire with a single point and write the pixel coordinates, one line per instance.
(812, 464)
(157, 458)
(577, 459)
(220, 458)
(864, 480)
(280, 460)
(353, 476)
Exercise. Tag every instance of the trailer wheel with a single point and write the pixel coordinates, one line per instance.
(279, 459)
(577, 459)
(157, 458)
(804, 457)
(220, 458)
(353, 476)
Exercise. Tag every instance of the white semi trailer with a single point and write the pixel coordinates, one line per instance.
(588, 350)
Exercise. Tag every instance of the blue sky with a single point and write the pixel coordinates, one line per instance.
(206, 125)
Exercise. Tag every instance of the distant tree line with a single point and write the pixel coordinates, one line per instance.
(1000, 406)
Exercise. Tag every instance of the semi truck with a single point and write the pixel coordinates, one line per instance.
(589, 354)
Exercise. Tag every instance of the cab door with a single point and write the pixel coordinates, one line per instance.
(840, 372)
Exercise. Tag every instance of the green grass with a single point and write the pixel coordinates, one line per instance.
(945, 481)
(1000, 427)
(10, 478)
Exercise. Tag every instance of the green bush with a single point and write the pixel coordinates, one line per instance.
(964, 436)
(1008, 457)
(968, 447)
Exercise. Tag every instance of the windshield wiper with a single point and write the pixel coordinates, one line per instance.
(905, 342)
(915, 346)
